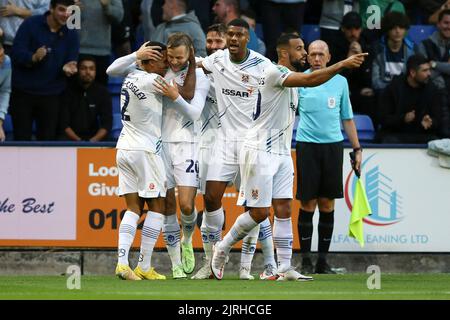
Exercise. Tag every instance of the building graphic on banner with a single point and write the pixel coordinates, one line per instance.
(384, 199)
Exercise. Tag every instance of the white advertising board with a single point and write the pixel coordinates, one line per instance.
(409, 194)
(38, 193)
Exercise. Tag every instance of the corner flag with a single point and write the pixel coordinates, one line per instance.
(361, 208)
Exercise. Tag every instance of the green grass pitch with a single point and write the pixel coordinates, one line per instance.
(348, 286)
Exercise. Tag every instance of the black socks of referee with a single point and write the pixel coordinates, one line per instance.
(326, 225)
(305, 231)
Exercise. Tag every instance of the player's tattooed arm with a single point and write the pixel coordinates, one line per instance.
(187, 91)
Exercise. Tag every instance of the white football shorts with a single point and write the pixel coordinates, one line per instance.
(181, 164)
(264, 176)
(141, 172)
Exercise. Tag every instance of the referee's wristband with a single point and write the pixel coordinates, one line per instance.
(357, 149)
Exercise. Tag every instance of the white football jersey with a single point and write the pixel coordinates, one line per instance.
(176, 126)
(141, 108)
(209, 118)
(274, 114)
(236, 90)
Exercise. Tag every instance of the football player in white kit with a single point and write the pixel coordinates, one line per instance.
(141, 170)
(216, 40)
(267, 171)
(142, 176)
(236, 72)
(180, 152)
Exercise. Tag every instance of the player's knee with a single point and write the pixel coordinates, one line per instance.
(212, 203)
(186, 208)
(283, 210)
(259, 214)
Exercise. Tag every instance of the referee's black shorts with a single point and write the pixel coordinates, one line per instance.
(319, 170)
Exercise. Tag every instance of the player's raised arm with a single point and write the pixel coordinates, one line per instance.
(124, 65)
(187, 90)
(318, 77)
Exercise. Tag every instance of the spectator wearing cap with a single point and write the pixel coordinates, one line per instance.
(352, 40)
(44, 53)
(410, 106)
(86, 109)
(13, 13)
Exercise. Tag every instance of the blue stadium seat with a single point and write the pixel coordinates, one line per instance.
(310, 32)
(116, 125)
(8, 127)
(364, 127)
(115, 85)
(115, 103)
(418, 33)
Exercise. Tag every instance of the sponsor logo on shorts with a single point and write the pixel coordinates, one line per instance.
(255, 194)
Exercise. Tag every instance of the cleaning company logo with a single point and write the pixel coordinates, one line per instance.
(384, 199)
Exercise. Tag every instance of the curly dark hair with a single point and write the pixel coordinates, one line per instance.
(394, 19)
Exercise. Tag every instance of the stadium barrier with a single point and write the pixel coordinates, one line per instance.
(66, 197)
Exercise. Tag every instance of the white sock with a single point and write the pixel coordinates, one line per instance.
(249, 247)
(214, 223)
(243, 225)
(188, 225)
(207, 245)
(283, 238)
(127, 231)
(150, 233)
(171, 231)
(266, 241)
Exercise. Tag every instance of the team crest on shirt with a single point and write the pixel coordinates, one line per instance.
(245, 78)
(183, 76)
(151, 186)
(255, 194)
(331, 102)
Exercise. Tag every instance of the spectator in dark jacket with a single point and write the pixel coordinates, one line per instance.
(45, 51)
(86, 111)
(393, 50)
(410, 106)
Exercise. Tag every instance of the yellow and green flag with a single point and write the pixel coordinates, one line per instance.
(361, 208)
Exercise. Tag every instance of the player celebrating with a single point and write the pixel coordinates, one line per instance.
(267, 171)
(180, 150)
(141, 171)
(236, 72)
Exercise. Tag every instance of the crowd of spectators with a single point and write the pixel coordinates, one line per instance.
(54, 85)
